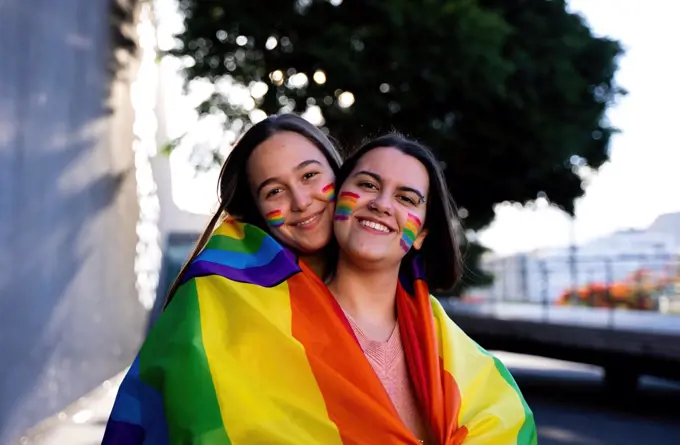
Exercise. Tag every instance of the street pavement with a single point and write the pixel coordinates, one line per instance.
(566, 397)
(81, 423)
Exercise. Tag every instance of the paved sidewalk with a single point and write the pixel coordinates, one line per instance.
(81, 423)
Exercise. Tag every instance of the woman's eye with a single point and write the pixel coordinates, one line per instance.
(368, 186)
(309, 175)
(273, 192)
(408, 200)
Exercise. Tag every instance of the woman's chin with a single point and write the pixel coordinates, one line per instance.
(368, 255)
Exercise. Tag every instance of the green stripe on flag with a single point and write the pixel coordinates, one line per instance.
(173, 361)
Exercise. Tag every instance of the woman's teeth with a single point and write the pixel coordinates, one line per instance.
(307, 221)
(375, 226)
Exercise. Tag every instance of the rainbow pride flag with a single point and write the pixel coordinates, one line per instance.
(253, 349)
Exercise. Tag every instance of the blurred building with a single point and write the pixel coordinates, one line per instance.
(543, 275)
(179, 230)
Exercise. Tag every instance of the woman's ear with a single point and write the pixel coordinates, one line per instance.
(418, 243)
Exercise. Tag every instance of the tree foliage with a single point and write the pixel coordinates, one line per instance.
(511, 95)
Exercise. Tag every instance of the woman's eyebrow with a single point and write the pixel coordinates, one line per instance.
(368, 173)
(300, 166)
(402, 188)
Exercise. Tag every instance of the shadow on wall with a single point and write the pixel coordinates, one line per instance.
(69, 314)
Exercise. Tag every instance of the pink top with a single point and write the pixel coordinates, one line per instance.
(388, 362)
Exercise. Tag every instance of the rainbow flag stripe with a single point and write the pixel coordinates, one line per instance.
(238, 360)
(410, 231)
(329, 191)
(346, 202)
(275, 218)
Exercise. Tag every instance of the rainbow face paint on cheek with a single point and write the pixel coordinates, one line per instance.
(346, 203)
(410, 232)
(329, 191)
(275, 218)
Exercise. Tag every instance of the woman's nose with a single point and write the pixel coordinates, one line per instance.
(301, 201)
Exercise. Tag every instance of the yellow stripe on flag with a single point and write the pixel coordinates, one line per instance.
(248, 340)
(491, 409)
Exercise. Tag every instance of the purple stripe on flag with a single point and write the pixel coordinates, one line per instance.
(283, 266)
(123, 433)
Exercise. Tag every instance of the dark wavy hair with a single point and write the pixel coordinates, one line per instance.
(234, 193)
(440, 253)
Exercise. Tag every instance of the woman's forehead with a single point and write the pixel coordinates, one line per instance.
(283, 153)
(392, 165)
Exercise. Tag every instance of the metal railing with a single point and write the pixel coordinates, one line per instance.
(630, 291)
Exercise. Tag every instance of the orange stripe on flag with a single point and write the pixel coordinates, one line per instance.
(355, 398)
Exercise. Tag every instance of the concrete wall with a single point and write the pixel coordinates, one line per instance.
(69, 312)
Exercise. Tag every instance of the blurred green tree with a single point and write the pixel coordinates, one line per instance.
(511, 95)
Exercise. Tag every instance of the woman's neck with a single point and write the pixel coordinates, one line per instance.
(316, 262)
(368, 296)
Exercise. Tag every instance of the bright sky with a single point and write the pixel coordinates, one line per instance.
(639, 183)
(642, 180)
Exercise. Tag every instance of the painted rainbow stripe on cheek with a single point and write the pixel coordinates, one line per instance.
(329, 191)
(346, 203)
(275, 218)
(410, 232)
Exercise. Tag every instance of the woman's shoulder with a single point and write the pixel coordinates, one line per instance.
(449, 330)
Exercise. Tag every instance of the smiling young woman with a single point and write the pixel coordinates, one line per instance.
(289, 180)
(279, 177)
(395, 216)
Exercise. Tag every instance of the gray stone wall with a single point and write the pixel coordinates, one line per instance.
(69, 312)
